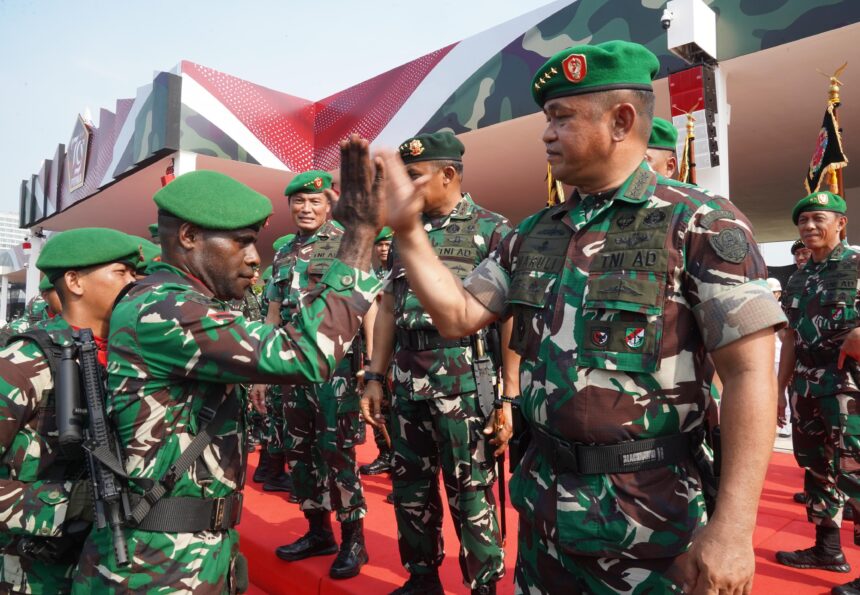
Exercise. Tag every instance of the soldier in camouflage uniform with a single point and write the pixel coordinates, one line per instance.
(438, 422)
(44, 492)
(41, 308)
(617, 296)
(381, 433)
(322, 422)
(824, 347)
(176, 350)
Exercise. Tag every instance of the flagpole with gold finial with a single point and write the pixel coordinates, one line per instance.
(837, 184)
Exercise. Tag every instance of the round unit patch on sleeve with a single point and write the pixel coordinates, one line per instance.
(730, 244)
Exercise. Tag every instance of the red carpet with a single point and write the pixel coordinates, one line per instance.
(269, 520)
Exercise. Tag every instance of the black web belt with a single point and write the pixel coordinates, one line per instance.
(817, 358)
(624, 457)
(426, 340)
(191, 515)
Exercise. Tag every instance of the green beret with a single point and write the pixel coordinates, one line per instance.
(591, 68)
(385, 234)
(819, 201)
(213, 200)
(45, 284)
(151, 252)
(797, 245)
(267, 274)
(153, 230)
(309, 182)
(85, 247)
(664, 135)
(282, 241)
(439, 146)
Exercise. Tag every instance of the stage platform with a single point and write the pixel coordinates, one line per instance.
(269, 520)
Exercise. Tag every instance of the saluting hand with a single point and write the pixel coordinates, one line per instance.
(362, 199)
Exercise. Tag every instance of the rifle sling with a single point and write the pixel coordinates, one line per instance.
(211, 417)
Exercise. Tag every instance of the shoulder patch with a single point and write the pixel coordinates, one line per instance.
(708, 219)
(730, 244)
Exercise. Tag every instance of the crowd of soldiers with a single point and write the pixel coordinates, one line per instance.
(598, 327)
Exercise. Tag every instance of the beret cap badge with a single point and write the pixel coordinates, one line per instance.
(575, 68)
(416, 147)
(318, 183)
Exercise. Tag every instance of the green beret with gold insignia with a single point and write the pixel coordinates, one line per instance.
(153, 230)
(85, 247)
(45, 284)
(438, 146)
(591, 68)
(282, 241)
(819, 201)
(664, 135)
(386, 233)
(309, 182)
(213, 200)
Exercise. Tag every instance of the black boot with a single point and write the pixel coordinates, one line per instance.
(382, 464)
(278, 480)
(262, 467)
(800, 497)
(353, 554)
(852, 588)
(826, 554)
(318, 541)
(421, 584)
(487, 589)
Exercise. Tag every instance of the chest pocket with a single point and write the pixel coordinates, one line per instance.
(621, 326)
(324, 253)
(457, 249)
(539, 265)
(838, 297)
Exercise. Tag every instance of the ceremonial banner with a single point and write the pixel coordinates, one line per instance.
(828, 152)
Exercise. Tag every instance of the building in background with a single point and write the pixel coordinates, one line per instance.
(10, 234)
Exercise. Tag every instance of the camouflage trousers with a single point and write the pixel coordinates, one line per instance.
(385, 410)
(826, 441)
(447, 433)
(275, 422)
(323, 428)
(543, 568)
(202, 563)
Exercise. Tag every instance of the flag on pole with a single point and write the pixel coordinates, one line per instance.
(828, 155)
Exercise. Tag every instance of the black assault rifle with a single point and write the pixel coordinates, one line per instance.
(81, 373)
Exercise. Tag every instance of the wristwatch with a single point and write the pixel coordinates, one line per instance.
(371, 376)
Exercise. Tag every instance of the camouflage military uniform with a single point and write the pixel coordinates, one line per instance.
(172, 343)
(821, 303)
(323, 423)
(615, 299)
(437, 420)
(33, 488)
(35, 312)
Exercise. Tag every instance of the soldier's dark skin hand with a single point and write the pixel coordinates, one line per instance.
(371, 403)
(505, 430)
(361, 206)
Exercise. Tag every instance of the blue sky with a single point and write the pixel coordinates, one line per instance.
(59, 58)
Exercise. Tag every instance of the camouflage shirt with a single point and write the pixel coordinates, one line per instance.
(35, 312)
(461, 239)
(821, 303)
(34, 495)
(299, 266)
(172, 343)
(616, 299)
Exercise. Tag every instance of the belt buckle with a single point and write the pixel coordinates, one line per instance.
(236, 509)
(218, 514)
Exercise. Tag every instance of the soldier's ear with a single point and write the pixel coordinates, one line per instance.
(188, 235)
(72, 282)
(622, 121)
